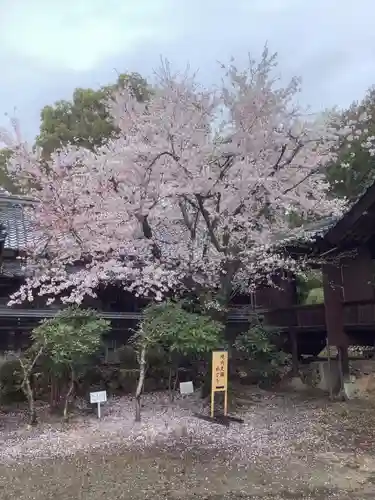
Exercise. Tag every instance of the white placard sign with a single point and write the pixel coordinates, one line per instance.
(186, 387)
(98, 397)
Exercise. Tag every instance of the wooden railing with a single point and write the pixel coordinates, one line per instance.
(9, 312)
(297, 317)
(311, 316)
(359, 313)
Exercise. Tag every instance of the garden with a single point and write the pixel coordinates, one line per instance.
(149, 441)
(171, 344)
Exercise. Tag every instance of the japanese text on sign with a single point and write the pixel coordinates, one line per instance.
(219, 371)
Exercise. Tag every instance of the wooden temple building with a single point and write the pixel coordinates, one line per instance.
(347, 317)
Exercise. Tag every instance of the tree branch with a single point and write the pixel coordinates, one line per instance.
(312, 172)
(160, 155)
(147, 231)
(191, 225)
(208, 222)
(277, 164)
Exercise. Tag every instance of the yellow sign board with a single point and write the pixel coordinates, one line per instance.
(219, 381)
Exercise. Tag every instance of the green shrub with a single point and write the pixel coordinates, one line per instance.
(126, 356)
(261, 360)
(10, 381)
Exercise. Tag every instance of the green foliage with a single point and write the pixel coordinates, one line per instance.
(68, 341)
(307, 282)
(6, 180)
(84, 120)
(263, 357)
(72, 336)
(126, 356)
(10, 381)
(355, 168)
(179, 331)
(315, 296)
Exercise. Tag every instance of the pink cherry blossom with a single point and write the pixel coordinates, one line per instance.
(194, 191)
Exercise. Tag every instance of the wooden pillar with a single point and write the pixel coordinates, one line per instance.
(334, 314)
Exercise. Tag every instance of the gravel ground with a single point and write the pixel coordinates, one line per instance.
(287, 448)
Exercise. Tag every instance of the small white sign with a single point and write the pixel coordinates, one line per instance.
(186, 387)
(98, 397)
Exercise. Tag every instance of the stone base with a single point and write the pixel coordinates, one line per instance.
(318, 376)
(329, 376)
(296, 384)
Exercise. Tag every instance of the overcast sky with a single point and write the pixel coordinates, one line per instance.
(49, 47)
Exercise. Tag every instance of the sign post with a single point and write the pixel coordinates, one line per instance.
(186, 388)
(219, 381)
(98, 398)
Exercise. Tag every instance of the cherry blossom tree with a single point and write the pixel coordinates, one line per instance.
(192, 194)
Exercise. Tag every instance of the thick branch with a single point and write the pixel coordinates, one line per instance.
(147, 231)
(160, 155)
(28, 369)
(277, 164)
(208, 222)
(288, 161)
(225, 167)
(190, 224)
(312, 172)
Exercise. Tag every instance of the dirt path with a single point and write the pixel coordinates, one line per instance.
(286, 449)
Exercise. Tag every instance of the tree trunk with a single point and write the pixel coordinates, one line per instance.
(170, 390)
(141, 380)
(176, 379)
(226, 283)
(27, 370)
(69, 393)
(206, 386)
(27, 389)
(55, 392)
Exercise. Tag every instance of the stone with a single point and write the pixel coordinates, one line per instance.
(329, 376)
(362, 387)
(296, 384)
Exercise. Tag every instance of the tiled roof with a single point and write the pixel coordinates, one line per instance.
(18, 228)
(307, 233)
(14, 221)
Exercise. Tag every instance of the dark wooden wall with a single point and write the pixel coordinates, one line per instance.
(357, 276)
(282, 295)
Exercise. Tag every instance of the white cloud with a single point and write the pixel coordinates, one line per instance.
(49, 47)
(78, 34)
